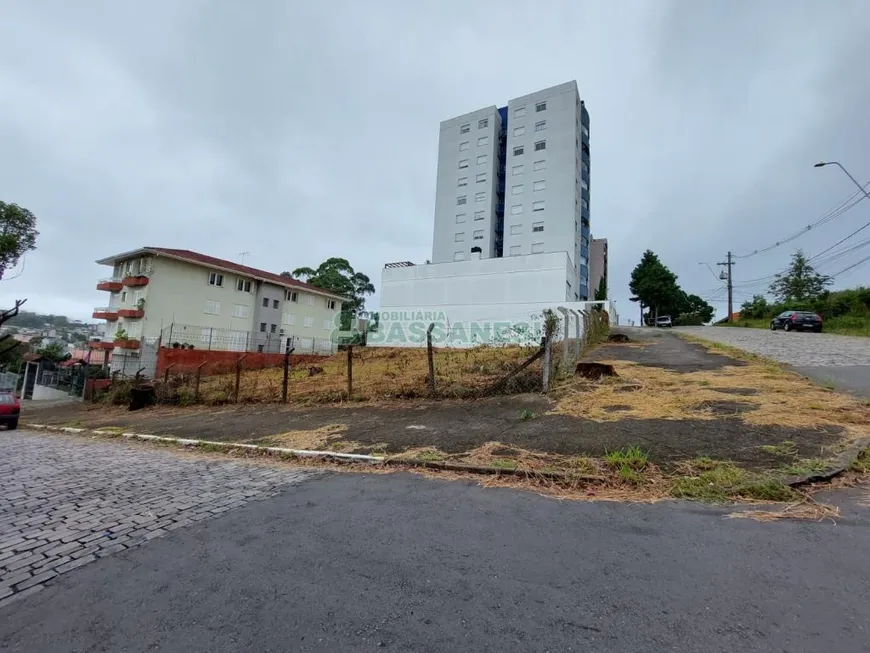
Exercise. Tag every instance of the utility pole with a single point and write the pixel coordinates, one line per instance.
(729, 261)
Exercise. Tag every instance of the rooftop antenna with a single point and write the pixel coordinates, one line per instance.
(243, 255)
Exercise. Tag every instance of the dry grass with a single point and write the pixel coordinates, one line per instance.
(805, 509)
(382, 373)
(314, 439)
(782, 398)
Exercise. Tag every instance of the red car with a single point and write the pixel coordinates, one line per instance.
(10, 409)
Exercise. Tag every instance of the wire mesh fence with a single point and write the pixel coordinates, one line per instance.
(269, 340)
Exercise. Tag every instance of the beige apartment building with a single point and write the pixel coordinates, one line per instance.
(175, 297)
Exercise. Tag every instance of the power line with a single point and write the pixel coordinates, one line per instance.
(829, 215)
(850, 267)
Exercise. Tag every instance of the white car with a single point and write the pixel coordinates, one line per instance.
(664, 321)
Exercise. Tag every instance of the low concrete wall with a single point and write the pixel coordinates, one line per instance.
(44, 393)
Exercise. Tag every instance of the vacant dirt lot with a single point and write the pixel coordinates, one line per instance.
(674, 399)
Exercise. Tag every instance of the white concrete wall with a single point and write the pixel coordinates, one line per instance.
(472, 301)
(45, 393)
(447, 191)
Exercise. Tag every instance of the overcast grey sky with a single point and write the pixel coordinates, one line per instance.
(298, 131)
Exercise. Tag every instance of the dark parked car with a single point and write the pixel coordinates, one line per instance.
(10, 408)
(797, 321)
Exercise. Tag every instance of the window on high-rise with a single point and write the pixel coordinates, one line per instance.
(537, 248)
(516, 209)
(483, 140)
(538, 206)
(540, 165)
(519, 112)
(459, 237)
(480, 197)
(518, 150)
(482, 124)
(464, 129)
(517, 170)
(458, 256)
(516, 229)
(461, 200)
(540, 145)
(539, 185)
(537, 226)
(517, 190)
(481, 160)
(541, 106)
(479, 215)
(463, 163)
(519, 131)
(586, 131)
(540, 126)
(516, 250)
(463, 181)
(460, 218)
(480, 177)
(463, 146)
(478, 234)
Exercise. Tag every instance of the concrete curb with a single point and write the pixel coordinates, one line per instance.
(839, 465)
(187, 442)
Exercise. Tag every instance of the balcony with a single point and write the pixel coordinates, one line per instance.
(112, 285)
(127, 343)
(101, 344)
(105, 313)
(133, 313)
(135, 281)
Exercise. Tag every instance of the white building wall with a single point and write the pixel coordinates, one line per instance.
(471, 297)
(555, 205)
(481, 140)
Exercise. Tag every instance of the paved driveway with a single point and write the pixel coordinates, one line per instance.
(66, 501)
(395, 562)
(841, 361)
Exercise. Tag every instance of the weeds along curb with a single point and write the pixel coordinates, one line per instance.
(839, 465)
(327, 455)
(226, 446)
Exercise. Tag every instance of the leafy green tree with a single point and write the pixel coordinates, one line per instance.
(17, 234)
(53, 352)
(757, 307)
(694, 305)
(601, 291)
(338, 276)
(654, 285)
(800, 283)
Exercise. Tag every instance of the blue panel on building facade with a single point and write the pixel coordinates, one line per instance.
(584, 252)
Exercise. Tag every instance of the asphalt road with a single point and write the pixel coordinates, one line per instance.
(397, 562)
(840, 361)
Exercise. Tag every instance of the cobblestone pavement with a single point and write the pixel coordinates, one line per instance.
(66, 501)
(842, 361)
(799, 349)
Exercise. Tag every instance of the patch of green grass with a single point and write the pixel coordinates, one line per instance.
(828, 384)
(704, 382)
(862, 463)
(766, 490)
(504, 463)
(633, 457)
(287, 455)
(784, 448)
(807, 466)
(430, 456)
(527, 414)
(210, 446)
(704, 463)
(630, 475)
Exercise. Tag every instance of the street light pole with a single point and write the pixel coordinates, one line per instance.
(822, 164)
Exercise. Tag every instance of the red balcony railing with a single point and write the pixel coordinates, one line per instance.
(131, 312)
(112, 285)
(105, 313)
(135, 281)
(127, 343)
(101, 344)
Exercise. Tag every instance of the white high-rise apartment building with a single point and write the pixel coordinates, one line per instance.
(514, 181)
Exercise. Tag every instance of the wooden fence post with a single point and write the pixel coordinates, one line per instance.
(565, 326)
(577, 344)
(287, 351)
(545, 374)
(430, 358)
(166, 373)
(349, 371)
(198, 377)
(239, 375)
